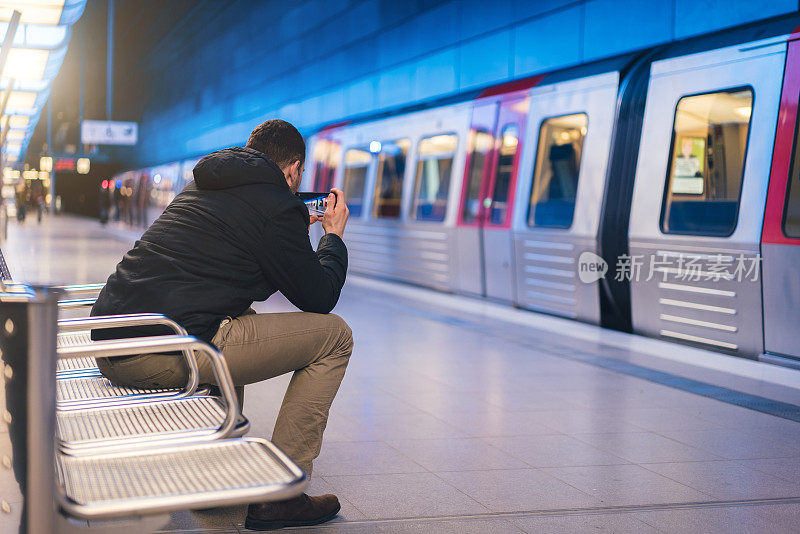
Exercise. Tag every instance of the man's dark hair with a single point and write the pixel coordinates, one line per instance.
(280, 141)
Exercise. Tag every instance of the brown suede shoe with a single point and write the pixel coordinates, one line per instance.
(298, 512)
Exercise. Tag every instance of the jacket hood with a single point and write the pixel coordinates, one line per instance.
(237, 166)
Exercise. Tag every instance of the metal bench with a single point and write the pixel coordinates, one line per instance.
(82, 388)
(124, 426)
(155, 479)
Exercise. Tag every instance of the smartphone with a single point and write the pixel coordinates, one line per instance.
(315, 202)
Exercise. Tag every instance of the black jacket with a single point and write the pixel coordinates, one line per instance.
(234, 235)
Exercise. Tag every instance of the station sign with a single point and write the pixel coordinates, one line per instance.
(109, 133)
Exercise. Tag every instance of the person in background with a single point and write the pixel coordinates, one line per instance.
(22, 199)
(37, 201)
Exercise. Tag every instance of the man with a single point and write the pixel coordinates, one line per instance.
(235, 235)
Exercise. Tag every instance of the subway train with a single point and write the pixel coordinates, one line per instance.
(656, 192)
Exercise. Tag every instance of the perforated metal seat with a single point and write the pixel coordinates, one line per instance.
(73, 365)
(219, 473)
(128, 426)
(75, 334)
(70, 339)
(79, 391)
(69, 367)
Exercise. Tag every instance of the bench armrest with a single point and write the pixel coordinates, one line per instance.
(75, 303)
(80, 289)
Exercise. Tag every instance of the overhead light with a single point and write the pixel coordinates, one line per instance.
(44, 175)
(33, 11)
(375, 147)
(20, 100)
(13, 148)
(510, 140)
(39, 45)
(482, 141)
(743, 111)
(82, 165)
(17, 121)
(46, 163)
(31, 174)
(38, 36)
(26, 64)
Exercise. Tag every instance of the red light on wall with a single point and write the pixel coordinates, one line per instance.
(104, 184)
(64, 164)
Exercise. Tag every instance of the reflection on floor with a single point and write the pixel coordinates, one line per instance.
(452, 420)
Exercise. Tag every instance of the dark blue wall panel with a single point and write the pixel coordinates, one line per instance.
(694, 17)
(313, 62)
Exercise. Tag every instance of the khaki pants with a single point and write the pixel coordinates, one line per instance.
(258, 347)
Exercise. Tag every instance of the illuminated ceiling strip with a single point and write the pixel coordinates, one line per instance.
(39, 36)
(39, 46)
(53, 12)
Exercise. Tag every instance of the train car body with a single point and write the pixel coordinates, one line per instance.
(652, 193)
(384, 237)
(700, 192)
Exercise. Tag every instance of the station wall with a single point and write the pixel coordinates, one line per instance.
(317, 61)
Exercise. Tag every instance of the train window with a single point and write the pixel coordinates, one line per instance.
(555, 175)
(432, 184)
(509, 139)
(791, 217)
(709, 140)
(326, 158)
(389, 179)
(480, 144)
(356, 163)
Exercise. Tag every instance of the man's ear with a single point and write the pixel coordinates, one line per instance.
(290, 170)
(296, 167)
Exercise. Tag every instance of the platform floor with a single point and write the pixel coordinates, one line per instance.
(465, 417)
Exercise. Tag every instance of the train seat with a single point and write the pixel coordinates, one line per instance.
(554, 213)
(702, 217)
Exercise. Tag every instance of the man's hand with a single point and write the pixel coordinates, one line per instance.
(335, 219)
(313, 219)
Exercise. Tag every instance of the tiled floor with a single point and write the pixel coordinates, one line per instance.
(451, 420)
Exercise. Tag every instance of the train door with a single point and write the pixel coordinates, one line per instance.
(560, 192)
(780, 239)
(484, 219)
(699, 197)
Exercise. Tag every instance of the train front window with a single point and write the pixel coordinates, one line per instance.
(389, 179)
(555, 175)
(356, 163)
(432, 182)
(479, 146)
(704, 179)
(509, 139)
(791, 218)
(326, 158)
